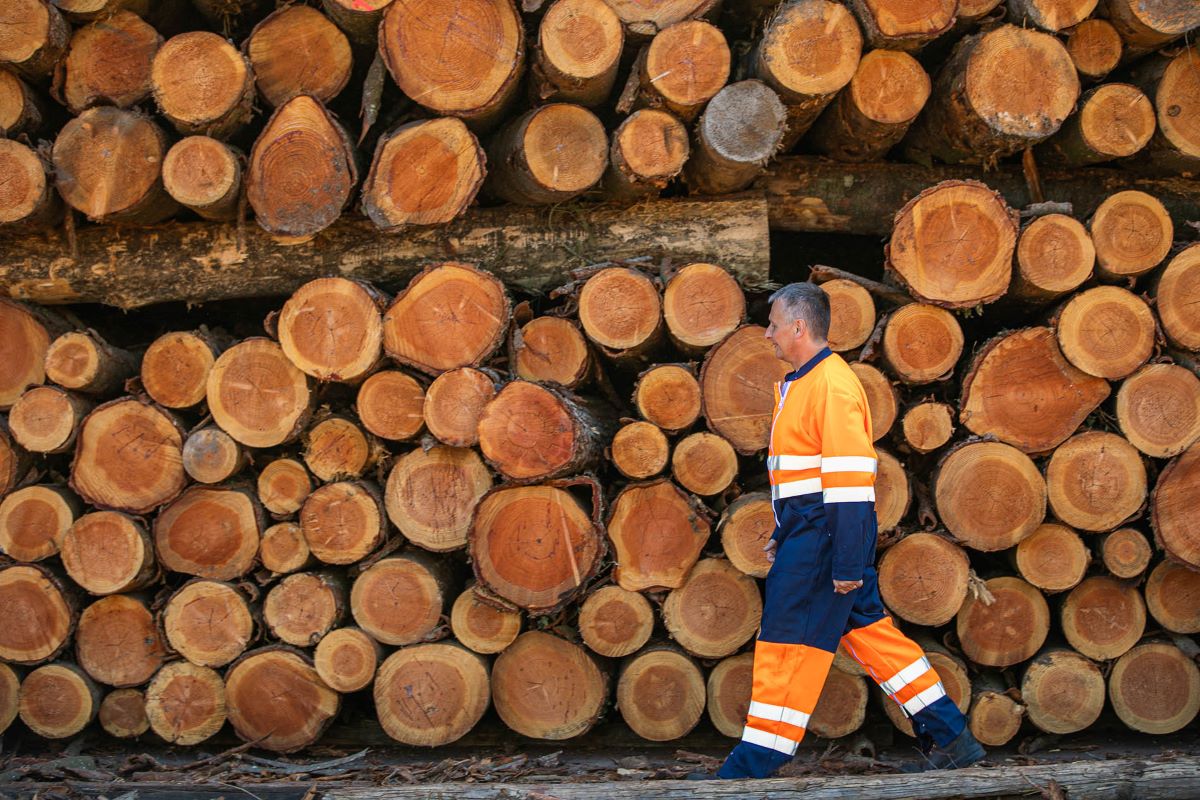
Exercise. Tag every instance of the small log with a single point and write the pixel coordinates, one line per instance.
(1115, 120)
(1063, 691)
(927, 426)
(358, 19)
(210, 532)
(175, 367)
(893, 493)
(1155, 688)
(535, 546)
(297, 51)
(1050, 15)
(621, 313)
(1095, 481)
(729, 686)
(58, 700)
(257, 395)
(283, 549)
(550, 349)
(108, 63)
(29, 200)
(926, 252)
(841, 707)
(46, 419)
(648, 151)
(331, 329)
(735, 384)
(283, 486)
(1106, 331)
(23, 345)
(661, 693)
(106, 552)
(1095, 47)
(683, 67)
(922, 343)
(1172, 507)
(204, 175)
(302, 608)
(1169, 80)
(548, 688)
(1149, 26)
(658, 533)
(989, 495)
(21, 109)
(578, 51)
(644, 18)
(123, 714)
(431, 694)
(431, 494)
(550, 154)
(108, 165)
(335, 448)
(1132, 232)
(291, 204)
(702, 304)
(852, 314)
(715, 612)
(276, 699)
(91, 10)
(639, 450)
(208, 622)
(1055, 255)
(995, 716)
(1009, 630)
(129, 457)
(346, 659)
(483, 627)
(883, 402)
(745, 528)
(400, 600)
(615, 622)
(999, 398)
(186, 704)
(923, 578)
(82, 361)
(981, 120)
(1103, 617)
(872, 114)
(1178, 288)
(1172, 594)
(531, 432)
(1053, 558)
(457, 61)
(117, 643)
(210, 455)
(389, 404)
(1126, 552)
(704, 463)
(901, 25)
(424, 173)
(955, 680)
(668, 396)
(455, 403)
(343, 522)
(34, 520)
(740, 130)
(35, 38)
(425, 329)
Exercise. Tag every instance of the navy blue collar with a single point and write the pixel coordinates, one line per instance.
(808, 366)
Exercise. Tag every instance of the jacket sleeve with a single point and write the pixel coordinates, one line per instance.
(848, 465)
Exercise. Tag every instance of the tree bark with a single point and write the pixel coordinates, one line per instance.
(658, 533)
(1145, 27)
(108, 63)
(22, 110)
(1115, 120)
(210, 455)
(483, 627)
(186, 704)
(390, 405)
(302, 608)
(431, 694)
(648, 151)
(431, 495)
(117, 643)
(1171, 597)
(729, 686)
(1103, 617)
(337, 449)
(1063, 691)
(969, 480)
(903, 24)
(358, 19)
(1095, 46)
(551, 350)
(29, 201)
(1095, 481)
(1009, 630)
(615, 622)
(1155, 688)
(548, 688)
(1132, 232)
(1054, 558)
(209, 623)
(928, 426)
(283, 486)
(257, 395)
(34, 520)
(123, 714)
(1055, 255)
(923, 578)
(660, 693)
(58, 700)
(704, 464)
(740, 130)
(283, 549)
(1169, 80)
(702, 304)
(346, 659)
(275, 698)
(550, 154)
(343, 522)
(35, 40)
(979, 121)
(715, 612)
(735, 384)
(1178, 288)
(668, 395)
(531, 432)
(297, 51)
(1050, 15)
(175, 367)
(106, 552)
(455, 403)
(578, 52)
(1126, 553)
(400, 600)
(639, 450)
(210, 532)
(1172, 506)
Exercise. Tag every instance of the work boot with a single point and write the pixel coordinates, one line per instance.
(962, 752)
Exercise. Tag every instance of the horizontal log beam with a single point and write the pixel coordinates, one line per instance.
(812, 195)
(532, 248)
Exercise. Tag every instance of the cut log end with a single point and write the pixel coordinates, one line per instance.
(283, 548)
(1173, 506)
(851, 312)
(1178, 100)
(1173, 597)
(927, 426)
(661, 694)
(302, 608)
(186, 704)
(455, 404)
(553, 350)
(1042, 103)
(579, 50)
(209, 533)
(1178, 290)
(1155, 688)
(210, 455)
(1107, 331)
(736, 382)
(331, 329)
(745, 528)
(702, 305)
(970, 477)
(549, 155)
(648, 151)
(1132, 232)
(390, 405)
(1053, 558)
(175, 368)
(530, 432)
(297, 50)
(1063, 692)
(620, 309)
(995, 718)
(559, 697)
(123, 714)
(729, 686)
(431, 494)
(668, 396)
(1103, 617)
(86, 363)
(658, 533)
(615, 622)
(481, 626)
(1055, 255)
(106, 552)
(1126, 553)
(27, 198)
(882, 401)
(257, 395)
(640, 450)
(58, 700)
(1095, 47)
(740, 130)
(923, 578)
(34, 520)
(343, 522)
(399, 600)
(108, 63)
(10, 696)
(832, 45)
(704, 464)
(46, 419)
(202, 84)
(23, 345)
(842, 707)
(686, 64)
(117, 642)
(336, 448)
(346, 659)
(209, 623)
(1009, 630)
(275, 698)
(1095, 481)
(716, 610)
(283, 486)
(431, 694)
(922, 343)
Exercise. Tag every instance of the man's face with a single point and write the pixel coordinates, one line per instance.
(785, 333)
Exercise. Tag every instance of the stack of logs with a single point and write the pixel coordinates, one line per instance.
(375, 498)
(135, 112)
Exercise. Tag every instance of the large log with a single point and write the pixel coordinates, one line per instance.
(203, 85)
(740, 130)
(715, 612)
(106, 552)
(657, 532)
(276, 699)
(1115, 120)
(1063, 691)
(431, 494)
(332, 329)
(661, 693)
(34, 38)
(923, 578)
(578, 52)
(454, 404)
(1178, 289)
(551, 154)
(1007, 631)
(1053, 558)
(185, 704)
(58, 700)
(257, 395)
(615, 622)
(117, 643)
(531, 432)
(297, 50)
(29, 201)
(46, 619)
(35, 519)
(989, 495)
(1170, 81)
(210, 532)
(1155, 688)
(1172, 507)
(1103, 617)
(401, 599)
(1173, 597)
(431, 694)
(683, 67)
(1055, 254)
(108, 63)
(208, 622)
(547, 687)
(702, 304)
(736, 386)
(1095, 481)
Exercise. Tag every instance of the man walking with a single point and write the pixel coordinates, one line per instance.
(823, 588)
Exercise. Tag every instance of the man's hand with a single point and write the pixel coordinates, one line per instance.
(845, 587)
(769, 549)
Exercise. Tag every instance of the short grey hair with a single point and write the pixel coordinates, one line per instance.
(806, 301)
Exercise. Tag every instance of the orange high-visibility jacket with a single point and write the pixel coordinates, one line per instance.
(822, 459)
